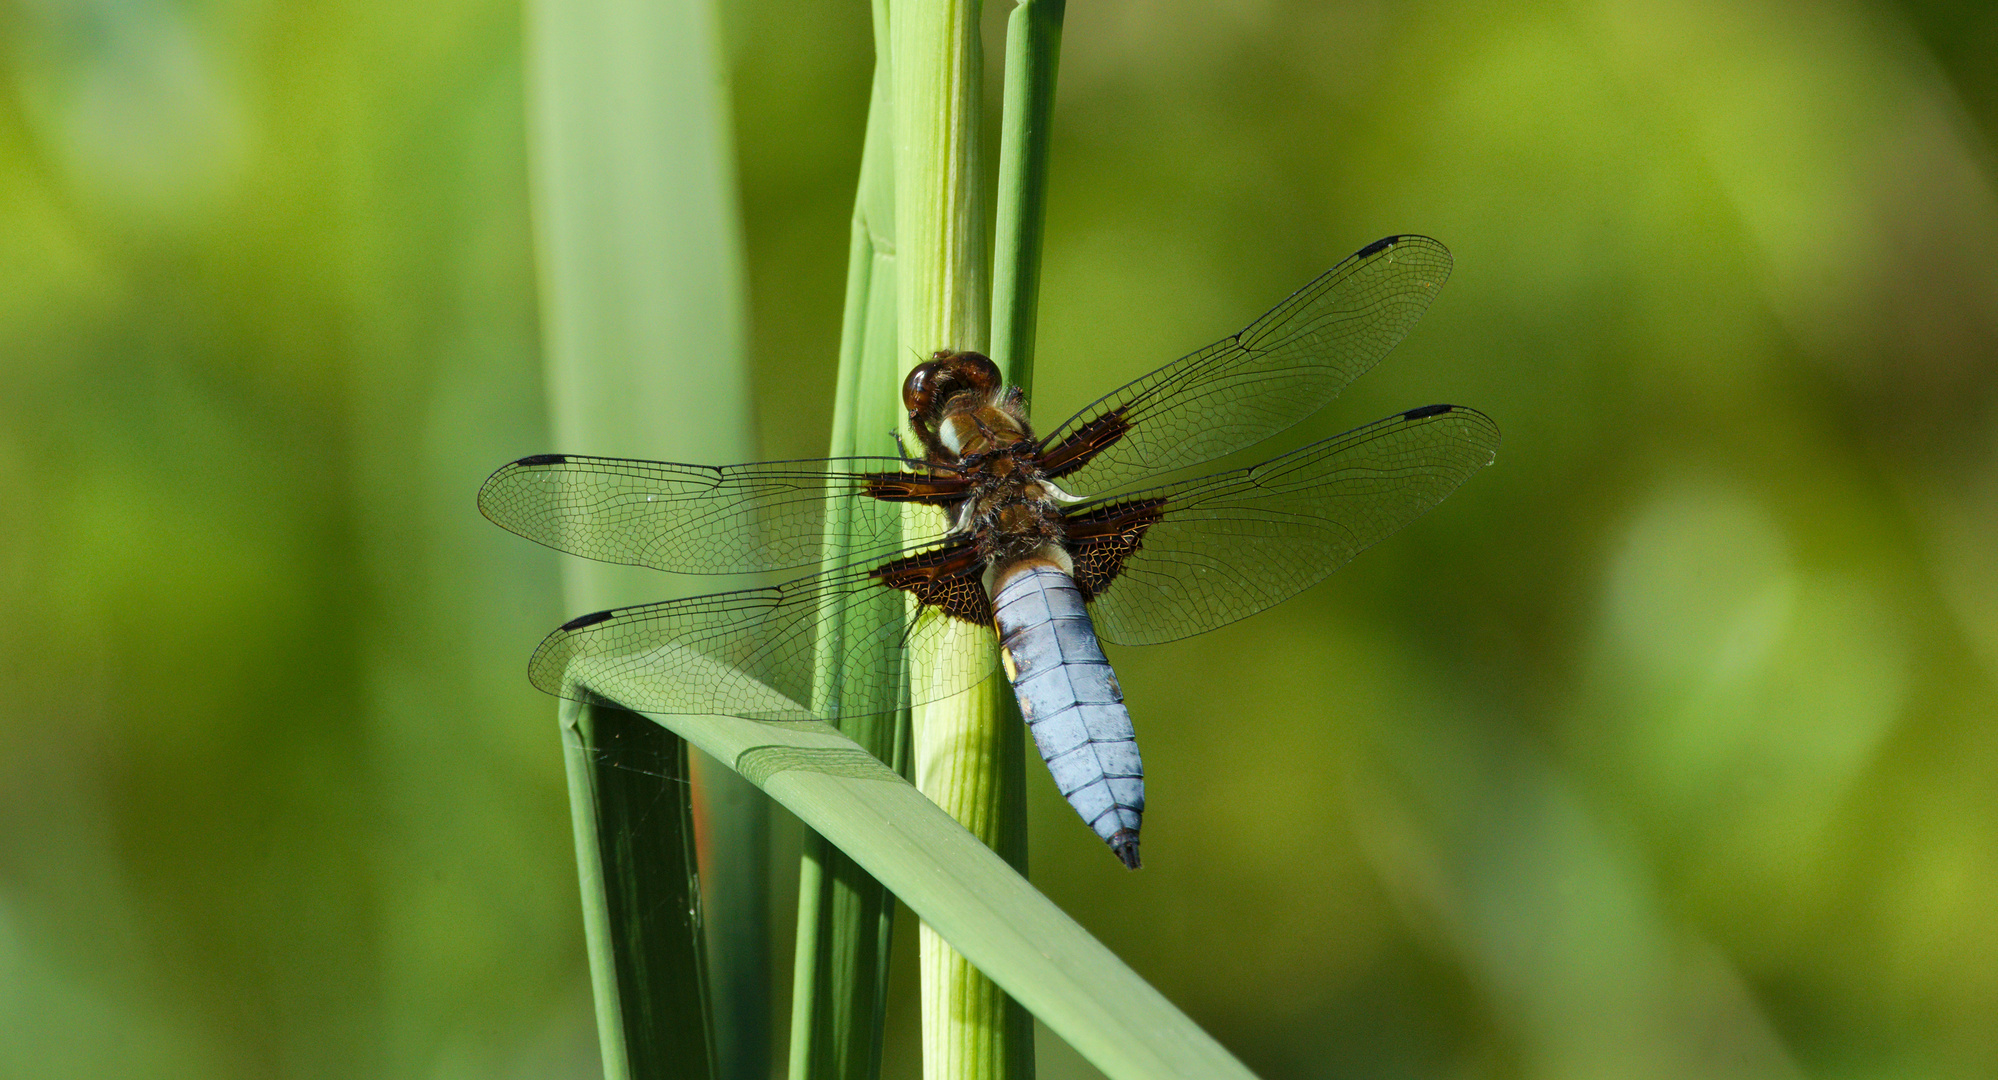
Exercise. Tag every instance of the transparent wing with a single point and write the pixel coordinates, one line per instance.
(701, 519)
(1244, 388)
(1226, 546)
(757, 653)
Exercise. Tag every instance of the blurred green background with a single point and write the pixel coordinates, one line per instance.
(1664, 748)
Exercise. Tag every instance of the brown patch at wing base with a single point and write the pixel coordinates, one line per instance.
(1088, 441)
(909, 487)
(1100, 540)
(946, 579)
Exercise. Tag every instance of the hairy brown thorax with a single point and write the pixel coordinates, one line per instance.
(971, 426)
(983, 467)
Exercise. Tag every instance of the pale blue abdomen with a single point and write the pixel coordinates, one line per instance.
(1071, 702)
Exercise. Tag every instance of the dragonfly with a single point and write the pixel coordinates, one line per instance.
(1095, 531)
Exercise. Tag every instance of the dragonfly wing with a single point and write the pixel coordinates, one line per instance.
(1186, 558)
(700, 519)
(1244, 388)
(823, 647)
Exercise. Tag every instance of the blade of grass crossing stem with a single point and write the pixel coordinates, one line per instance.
(971, 1029)
(964, 891)
(845, 917)
(640, 273)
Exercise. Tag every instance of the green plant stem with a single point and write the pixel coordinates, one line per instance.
(1033, 45)
(845, 917)
(940, 230)
(970, 1027)
(1033, 53)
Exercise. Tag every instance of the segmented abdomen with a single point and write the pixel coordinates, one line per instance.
(1072, 703)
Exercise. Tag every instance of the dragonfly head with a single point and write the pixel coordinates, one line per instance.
(947, 383)
(933, 383)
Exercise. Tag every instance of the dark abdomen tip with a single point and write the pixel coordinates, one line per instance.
(1125, 843)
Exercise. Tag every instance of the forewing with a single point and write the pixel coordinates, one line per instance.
(1207, 552)
(700, 519)
(757, 653)
(1242, 389)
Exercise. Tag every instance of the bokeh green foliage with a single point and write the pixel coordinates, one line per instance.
(1665, 747)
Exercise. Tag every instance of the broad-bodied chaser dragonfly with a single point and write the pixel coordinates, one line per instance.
(1050, 541)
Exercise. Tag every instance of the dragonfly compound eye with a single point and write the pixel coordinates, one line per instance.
(932, 384)
(916, 388)
(973, 372)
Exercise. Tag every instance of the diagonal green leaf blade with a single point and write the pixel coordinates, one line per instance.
(968, 894)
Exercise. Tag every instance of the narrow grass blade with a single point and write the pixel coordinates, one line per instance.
(1026, 126)
(1033, 46)
(845, 917)
(640, 268)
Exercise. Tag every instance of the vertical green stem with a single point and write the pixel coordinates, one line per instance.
(1033, 48)
(962, 744)
(1033, 52)
(940, 231)
(845, 917)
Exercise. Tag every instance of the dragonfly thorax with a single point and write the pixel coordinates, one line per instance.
(1014, 526)
(973, 427)
(1009, 511)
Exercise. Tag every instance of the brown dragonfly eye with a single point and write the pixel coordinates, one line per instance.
(933, 383)
(974, 371)
(917, 389)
